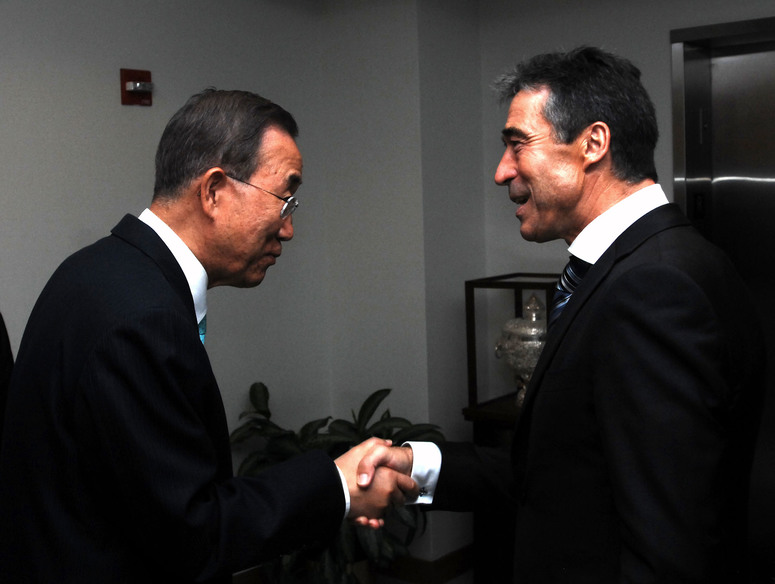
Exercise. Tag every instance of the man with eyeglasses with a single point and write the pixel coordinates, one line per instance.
(115, 462)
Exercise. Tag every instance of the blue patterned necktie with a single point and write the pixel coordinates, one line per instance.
(571, 277)
(202, 329)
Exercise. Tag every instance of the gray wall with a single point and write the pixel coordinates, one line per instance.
(400, 137)
(342, 314)
(636, 29)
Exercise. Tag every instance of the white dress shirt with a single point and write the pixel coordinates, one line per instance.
(589, 245)
(603, 230)
(192, 268)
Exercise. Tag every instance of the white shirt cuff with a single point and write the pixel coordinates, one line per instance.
(346, 491)
(426, 466)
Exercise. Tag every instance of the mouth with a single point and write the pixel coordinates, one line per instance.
(518, 196)
(519, 200)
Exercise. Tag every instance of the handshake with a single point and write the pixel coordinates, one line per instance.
(377, 474)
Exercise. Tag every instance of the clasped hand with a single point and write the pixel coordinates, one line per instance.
(377, 475)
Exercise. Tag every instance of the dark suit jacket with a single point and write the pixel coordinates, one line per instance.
(6, 366)
(115, 463)
(632, 456)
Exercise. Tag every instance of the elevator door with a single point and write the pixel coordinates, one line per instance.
(743, 218)
(743, 160)
(724, 145)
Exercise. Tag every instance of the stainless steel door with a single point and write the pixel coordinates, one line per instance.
(724, 167)
(743, 160)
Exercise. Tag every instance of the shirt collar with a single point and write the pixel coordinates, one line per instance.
(195, 274)
(598, 236)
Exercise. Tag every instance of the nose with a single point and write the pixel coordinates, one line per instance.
(507, 168)
(286, 229)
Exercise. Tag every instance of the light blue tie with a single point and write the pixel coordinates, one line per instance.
(203, 328)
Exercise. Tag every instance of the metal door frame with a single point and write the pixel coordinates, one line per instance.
(692, 51)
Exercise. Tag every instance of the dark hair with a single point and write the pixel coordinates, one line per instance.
(215, 128)
(588, 85)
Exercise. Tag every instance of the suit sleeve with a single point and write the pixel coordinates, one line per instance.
(156, 432)
(663, 402)
(472, 478)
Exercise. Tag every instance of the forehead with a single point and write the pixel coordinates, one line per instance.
(525, 117)
(279, 153)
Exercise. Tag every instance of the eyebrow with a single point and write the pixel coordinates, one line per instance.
(294, 181)
(512, 132)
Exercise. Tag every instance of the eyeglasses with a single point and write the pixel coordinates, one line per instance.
(291, 202)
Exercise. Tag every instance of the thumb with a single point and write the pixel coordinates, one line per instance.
(365, 471)
(380, 455)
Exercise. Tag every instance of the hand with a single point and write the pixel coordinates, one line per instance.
(371, 493)
(399, 458)
(377, 459)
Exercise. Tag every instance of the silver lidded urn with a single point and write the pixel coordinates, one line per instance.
(521, 342)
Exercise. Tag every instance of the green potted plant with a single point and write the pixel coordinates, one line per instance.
(337, 563)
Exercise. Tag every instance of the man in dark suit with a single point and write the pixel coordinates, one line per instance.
(632, 454)
(115, 463)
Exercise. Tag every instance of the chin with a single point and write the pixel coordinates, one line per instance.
(255, 282)
(527, 235)
(540, 237)
(251, 280)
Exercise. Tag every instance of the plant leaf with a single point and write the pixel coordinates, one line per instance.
(263, 428)
(425, 432)
(387, 552)
(346, 430)
(259, 399)
(369, 407)
(272, 430)
(310, 430)
(241, 434)
(253, 463)
(384, 428)
(248, 414)
(334, 445)
(347, 543)
(406, 515)
(370, 541)
(284, 446)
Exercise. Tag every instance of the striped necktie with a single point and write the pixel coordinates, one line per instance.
(202, 329)
(571, 277)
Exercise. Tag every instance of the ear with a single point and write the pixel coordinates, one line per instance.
(211, 190)
(596, 143)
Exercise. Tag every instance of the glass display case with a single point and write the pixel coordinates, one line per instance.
(505, 316)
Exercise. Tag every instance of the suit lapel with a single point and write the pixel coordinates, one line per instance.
(661, 218)
(136, 233)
